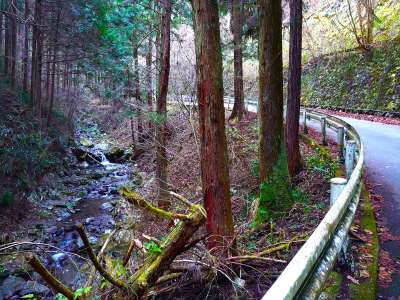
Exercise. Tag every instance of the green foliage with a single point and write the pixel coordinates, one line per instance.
(60, 297)
(7, 200)
(156, 118)
(152, 247)
(322, 162)
(82, 292)
(29, 296)
(119, 268)
(27, 157)
(342, 80)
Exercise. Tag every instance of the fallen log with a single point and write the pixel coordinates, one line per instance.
(156, 264)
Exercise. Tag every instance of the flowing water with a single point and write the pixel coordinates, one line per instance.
(85, 193)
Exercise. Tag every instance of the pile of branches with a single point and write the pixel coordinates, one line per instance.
(159, 268)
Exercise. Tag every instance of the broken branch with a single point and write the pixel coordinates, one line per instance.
(96, 263)
(137, 200)
(57, 285)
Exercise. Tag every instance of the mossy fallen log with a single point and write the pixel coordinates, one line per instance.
(156, 263)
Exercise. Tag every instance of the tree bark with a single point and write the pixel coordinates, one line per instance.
(236, 28)
(271, 87)
(34, 58)
(149, 84)
(7, 41)
(13, 54)
(294, 88)
(39, 57)
(214, 152)
(53, 70)
(26, 49)
(1, 29)
(138, 97)
(161, 126)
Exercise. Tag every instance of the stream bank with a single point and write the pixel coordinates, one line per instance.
(85, 192)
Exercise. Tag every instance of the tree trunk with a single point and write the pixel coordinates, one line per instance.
(161, 126)
(137, 97)
(13, 54)
(236, 28)
(53, 71)
(271, 87)
(294, 88)
(34, 58)
(149, 84)
(7, 42)
(26, 49)
(214, 152)
(39, 57)
(370, 20)
(1, 29)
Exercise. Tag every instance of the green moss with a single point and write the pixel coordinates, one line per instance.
(332, 286)
(275, 191)
(367, 289)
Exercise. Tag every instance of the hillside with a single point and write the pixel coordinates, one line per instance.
(353, 80)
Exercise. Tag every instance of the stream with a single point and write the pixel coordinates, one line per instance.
(87, 193)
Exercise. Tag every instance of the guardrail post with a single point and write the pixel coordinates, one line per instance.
(337, 186)
(229, 102)
(323, 130)
(305, 122)
(349, 158)
(340, 142)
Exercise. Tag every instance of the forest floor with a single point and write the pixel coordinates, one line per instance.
(291, 228)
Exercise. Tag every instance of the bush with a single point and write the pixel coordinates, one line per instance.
(7, 199)
(26, 156)
(322, 162)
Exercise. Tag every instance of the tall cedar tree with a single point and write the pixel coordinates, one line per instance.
(294, 88)
(214, 153)
(26, 49)
(161, 128)
(271, 87)
(149, 78)
(237, 28)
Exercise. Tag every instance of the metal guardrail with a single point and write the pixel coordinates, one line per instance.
(305, 275)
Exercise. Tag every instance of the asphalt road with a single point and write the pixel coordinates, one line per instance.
(382, 164)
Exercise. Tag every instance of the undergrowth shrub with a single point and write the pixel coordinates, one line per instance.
(26, 156)
(322, 162)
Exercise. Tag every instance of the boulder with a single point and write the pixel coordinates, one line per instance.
(86, 142)
(33, 287)
(115, 154)
(11, 286)
(84, 155)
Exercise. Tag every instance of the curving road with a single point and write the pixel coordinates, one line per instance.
(382, 163)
